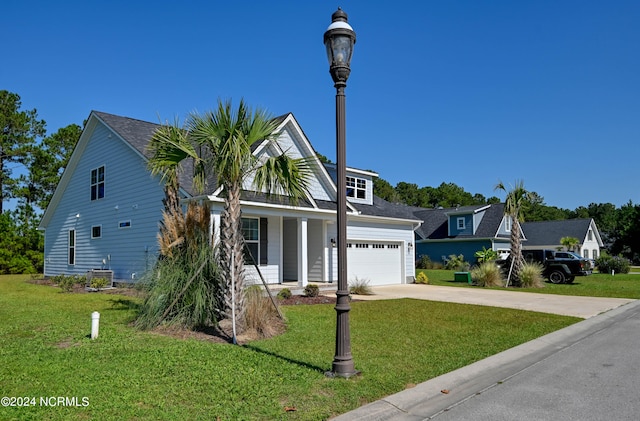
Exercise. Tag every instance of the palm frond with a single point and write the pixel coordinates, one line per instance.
(169, 146)
(284, 175)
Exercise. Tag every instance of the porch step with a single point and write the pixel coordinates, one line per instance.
(325, 288)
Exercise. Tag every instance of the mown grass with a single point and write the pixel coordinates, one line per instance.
(595, 285)
(128, 374)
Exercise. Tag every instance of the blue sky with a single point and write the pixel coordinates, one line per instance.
(470, 92)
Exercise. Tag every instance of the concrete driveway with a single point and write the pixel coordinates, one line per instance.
(584, 307)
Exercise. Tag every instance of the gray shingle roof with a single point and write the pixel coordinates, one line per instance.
(550, 232)
(435, 225)
(138, 133)
(382, 207)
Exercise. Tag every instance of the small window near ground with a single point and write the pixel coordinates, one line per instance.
(96, 231)
(124, 224)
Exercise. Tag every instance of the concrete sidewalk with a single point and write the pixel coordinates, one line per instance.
(584, 307)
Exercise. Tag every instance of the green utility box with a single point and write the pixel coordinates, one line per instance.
(462, 277)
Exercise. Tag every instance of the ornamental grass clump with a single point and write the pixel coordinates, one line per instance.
(487, 274)
(185, 286)
(531, 275)
(261, 315)
(360, 287)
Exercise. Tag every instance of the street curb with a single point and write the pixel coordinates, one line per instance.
(428, 399)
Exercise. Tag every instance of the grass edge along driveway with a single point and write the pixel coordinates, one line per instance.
(126, 374)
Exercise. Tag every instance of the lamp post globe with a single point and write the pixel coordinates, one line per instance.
(339, 40)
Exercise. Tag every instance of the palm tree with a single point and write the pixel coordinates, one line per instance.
(571, 243)
(514, 201)
(169, 147)
(225, 137)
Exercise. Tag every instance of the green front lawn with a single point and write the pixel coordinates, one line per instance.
(596, 285)
(127, 374)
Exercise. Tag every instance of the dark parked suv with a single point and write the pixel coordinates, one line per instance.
(559, 266)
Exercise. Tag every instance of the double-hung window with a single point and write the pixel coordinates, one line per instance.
(254, 231)
(251, 233)
(97, 183)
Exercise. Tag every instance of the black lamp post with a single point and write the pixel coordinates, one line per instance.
(339, 40)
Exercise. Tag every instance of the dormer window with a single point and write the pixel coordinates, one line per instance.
(356, 188)
(461, 223)
(507, 223)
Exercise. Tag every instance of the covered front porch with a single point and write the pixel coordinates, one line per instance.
(288, 250)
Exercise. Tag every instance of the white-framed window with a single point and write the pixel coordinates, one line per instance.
(586, 253)
(96, 231)
(251, 234)
(356, 187)
(124, 224)
(461, 223)
(508, 223)
(71, 255)
(97, 183)
(590, 235)
(595, 253)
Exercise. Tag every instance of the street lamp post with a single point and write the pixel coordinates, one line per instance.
(339, 40)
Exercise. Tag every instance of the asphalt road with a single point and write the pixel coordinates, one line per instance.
(587, 371)
(595, 378)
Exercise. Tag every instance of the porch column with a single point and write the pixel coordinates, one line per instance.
(303, 261)
(214, 227)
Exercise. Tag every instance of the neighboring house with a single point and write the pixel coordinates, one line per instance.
(461, 230)
(547, 235)
(107, 207)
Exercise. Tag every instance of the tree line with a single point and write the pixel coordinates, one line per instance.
(32, 161)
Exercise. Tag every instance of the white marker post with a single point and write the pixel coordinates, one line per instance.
(95, 324)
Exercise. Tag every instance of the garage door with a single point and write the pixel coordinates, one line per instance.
(378, 262)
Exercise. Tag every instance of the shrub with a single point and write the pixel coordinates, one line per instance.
(360, 287)
(531, 275)
(456, 263)
(311, 290)
(619, 264)
(98, 283)
(284, 293)
(487, 274)
(486, 255)
(422, 278)
(67, 283)
(424, 262)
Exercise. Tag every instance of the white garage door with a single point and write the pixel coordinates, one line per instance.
(378, 262)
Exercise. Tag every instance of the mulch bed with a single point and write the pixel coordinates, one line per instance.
(223, 333)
